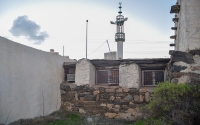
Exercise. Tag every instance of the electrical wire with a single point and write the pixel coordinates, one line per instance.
(96, 49)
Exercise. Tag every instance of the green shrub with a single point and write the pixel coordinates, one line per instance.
(175, 104)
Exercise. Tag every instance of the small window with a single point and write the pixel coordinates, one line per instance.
(69, 74)
(152, 77)
(107, 77)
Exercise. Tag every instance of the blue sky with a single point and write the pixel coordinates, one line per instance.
(61, 23)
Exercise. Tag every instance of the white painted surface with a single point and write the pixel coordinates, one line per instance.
(85, 73)
(29, 81)
(188, 33)
(129, 76)
(120, 50)
(110, 55)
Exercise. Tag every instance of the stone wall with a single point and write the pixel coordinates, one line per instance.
(129, 76)
(185, 67)
(29, 81)
(185, 60)
(109, 101)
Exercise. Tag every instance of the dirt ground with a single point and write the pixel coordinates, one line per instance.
(62, 117)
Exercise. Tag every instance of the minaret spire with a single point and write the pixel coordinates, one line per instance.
(120, 12)
(119, 35)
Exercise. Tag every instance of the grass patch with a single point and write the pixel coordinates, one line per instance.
(71, 119)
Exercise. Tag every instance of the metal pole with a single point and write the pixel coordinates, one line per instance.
(108, 45)
(63, 50)
(86, 36)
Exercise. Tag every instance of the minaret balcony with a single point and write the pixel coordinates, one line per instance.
(120, 37)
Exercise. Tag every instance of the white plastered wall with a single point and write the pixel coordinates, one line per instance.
(129, 76)
(188, 26)
(29, 81)
(85, 73)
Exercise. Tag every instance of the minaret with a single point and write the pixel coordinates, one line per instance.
(119, 35)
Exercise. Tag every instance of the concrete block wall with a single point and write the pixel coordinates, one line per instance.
(29, 81)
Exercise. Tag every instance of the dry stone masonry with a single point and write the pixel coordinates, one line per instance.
(109, 101)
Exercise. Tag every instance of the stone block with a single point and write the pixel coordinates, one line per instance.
(141, 98)
(87, 93)
(177, 74)
(112, 98)
(96, 92)
(78, 88)
(177, 56)
(72, 86)
(120, 102)
(81, 95)
(110, 90)
(105, 95)
(119, 90)
(82, 110)
(147, 97)
(174, 80)
(126, 90)
(110, 115)
(121, 94)
(97, 97)
(109, 106)
(76, 96)
(142, 90)
(128, 98)
(178, 68)
(133, 91)
(101, 89)
(62, 92)
(103, 104)
(136, 98)
(82, 98)
(90, 97)
(65, 87)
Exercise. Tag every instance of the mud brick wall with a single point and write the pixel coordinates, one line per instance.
(109, 101)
